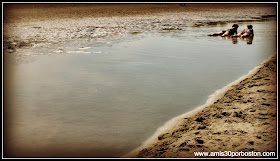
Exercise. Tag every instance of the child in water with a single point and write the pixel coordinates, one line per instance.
(229, 32)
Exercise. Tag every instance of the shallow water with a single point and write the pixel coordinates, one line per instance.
(98, 99)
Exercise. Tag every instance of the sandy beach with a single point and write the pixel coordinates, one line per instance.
(29, 25)
(240, 117)
(42, 12)
(243, 118)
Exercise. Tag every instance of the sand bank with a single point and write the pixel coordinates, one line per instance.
(36, 25)
(42, 12)
(239, 117)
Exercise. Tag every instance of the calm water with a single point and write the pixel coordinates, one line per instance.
(95, 99)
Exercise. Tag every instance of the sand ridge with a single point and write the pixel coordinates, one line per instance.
(27, 12)
(43, 25)
(244, 119)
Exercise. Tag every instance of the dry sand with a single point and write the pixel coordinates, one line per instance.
(244, 118)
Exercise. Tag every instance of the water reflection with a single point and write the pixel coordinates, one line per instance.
(234, 40)
(248, 40)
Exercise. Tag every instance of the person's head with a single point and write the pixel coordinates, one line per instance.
(249, 26)
(235, 25)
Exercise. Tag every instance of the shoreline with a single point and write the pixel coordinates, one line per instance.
(42, 12)
(43, 25)
(177, 125)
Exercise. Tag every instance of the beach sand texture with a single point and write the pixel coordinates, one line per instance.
(27, 25)
(244, 119)
(40, 12)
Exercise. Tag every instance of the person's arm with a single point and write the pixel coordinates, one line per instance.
(235, 31)
(217, 34)
(252, 32)
(225, 34)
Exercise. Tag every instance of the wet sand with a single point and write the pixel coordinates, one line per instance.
(239, 117)
(33, 25)
(41, 12)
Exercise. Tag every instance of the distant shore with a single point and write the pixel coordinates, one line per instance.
(39, 24)
(30, 12)
(240, 117)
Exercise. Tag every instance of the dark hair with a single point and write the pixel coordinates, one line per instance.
(235, 25)
(249, 26)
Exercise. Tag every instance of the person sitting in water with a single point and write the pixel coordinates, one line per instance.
(229, 32)
(249, 32)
